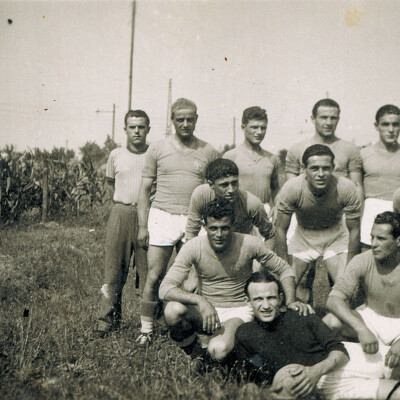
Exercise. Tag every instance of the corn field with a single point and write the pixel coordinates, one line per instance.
(35, 180)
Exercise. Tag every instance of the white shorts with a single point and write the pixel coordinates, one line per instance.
(245, 313)
(372, 207)
(165, 229)
(359, 378)
(386, 329)
(308, 244)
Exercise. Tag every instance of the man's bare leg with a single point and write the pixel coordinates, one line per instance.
(302, 289)
(336, 265)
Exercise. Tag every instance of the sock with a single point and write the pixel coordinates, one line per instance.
(147, 326)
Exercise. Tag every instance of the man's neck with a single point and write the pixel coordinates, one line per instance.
(319, 192)
(389, 147)
(325, 139)
(256, 148)
(185, 143)
(137, 149)
(390, 263)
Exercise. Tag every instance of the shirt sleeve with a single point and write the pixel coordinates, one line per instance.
(276, 171)
(286, 203)
(179, 270)
(150, 165)
(110, 169)
(355, 160)
(293, 164)
(268, 259)
(350, 199)
(324, 335)
(348, 282)
(194, 220)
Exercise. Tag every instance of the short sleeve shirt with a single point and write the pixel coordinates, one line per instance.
(177, 172)
(347, 157)
(381, 172)
(126, 168)
(320, 212)
(258, 172)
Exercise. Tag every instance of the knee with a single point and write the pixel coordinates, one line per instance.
(219, 349)
(332, 322)
(174, 312)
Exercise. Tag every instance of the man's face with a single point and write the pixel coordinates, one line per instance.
(226, 188)
(319, 171)
(254, 131)
(383, 244)
(136, 130)
(326, 121)
(185, 123)
(388, 128)
(265, 300)
(219, 232)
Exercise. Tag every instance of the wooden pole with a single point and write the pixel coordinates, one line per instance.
(45, 196)
(113, 124)
(131, 56)
(234, 131)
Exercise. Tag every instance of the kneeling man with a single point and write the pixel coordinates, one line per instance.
(223, 261)
(303, 354)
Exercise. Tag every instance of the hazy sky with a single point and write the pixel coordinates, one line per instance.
(61, 61)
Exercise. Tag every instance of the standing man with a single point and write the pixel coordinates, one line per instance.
(259, 169)
(381, 169)
(319, 199)
(303, 354)
(223, 183)
(223, 261)
(377, 322)
(325, 117)
(123, 177)
(178, 166)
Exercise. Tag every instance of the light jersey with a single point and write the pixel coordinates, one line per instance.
(320, 212)
(248, 210)
(222, 277)
(347, 157)
(126, 168)
(382, 290)
(381, 171)
(258, 172)
(396, 200)
(177, 172)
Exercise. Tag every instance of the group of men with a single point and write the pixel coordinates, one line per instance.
(178, 193)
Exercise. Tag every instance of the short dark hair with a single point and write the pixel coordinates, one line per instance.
(385, 110)
(263, 276)
(221, 168)
(324, 103)
(317, 150)
(137, 114)
(218, 209)
(391, 218)
(254, 112)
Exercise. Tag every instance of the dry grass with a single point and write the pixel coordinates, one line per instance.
(50, 277)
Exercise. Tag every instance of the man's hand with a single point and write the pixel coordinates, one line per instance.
(368, 341)
(392, 358)
(305, 381)
(301, 308)
(210, 317)
(143, 238)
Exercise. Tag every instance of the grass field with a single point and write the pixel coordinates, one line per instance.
(50, 276)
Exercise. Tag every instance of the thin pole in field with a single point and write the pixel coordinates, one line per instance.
(131, 56)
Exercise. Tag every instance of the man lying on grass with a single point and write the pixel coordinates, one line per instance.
(223, 261)
(303, 353)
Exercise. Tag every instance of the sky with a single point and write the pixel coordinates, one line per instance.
(61, 61)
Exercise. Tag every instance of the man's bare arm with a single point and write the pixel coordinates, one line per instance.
(342, 310)
(143, 211)
(353, 225)
(109, 186)
(357, 178)
(282, 226)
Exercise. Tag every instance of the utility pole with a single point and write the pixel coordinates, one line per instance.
(113, 119)
(168, 131)
(131, 56)
(234, 132)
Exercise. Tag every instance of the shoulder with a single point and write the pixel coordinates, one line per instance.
(345, 185)
(347, 146)
(249, 198)
(299, 147)
(231, 154)
(367, 150)
(202, 190)
(245, 331)
(361, 262)
(201, 144)
(294, 185)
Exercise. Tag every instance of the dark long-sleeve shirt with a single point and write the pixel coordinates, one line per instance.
(289, 339)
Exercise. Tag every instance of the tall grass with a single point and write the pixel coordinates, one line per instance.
(50, 276)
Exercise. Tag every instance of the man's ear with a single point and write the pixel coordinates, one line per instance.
(246, 297)
(282, 304)
(211, 184)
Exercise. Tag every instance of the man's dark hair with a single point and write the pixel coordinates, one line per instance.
(385, 110)
(317, 150)
(221, 168)
(218, 209)
(324, 103)
(391, 218)
(263, 276)
(137, 114)
(256, 113)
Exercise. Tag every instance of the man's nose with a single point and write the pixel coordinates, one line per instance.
(230, 188)
(185, 122)
(265, 304)
(136, 130)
